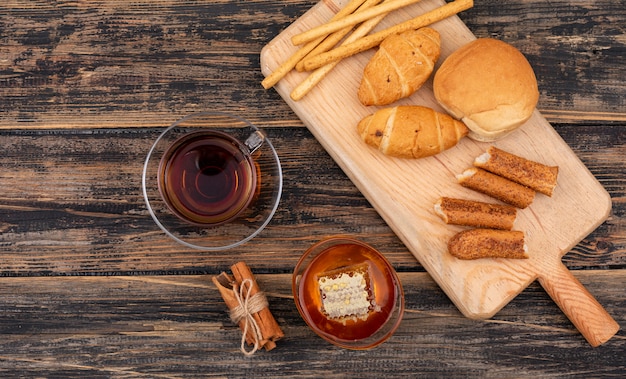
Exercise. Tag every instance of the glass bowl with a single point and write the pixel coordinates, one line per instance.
(331, 269)
(250, 221)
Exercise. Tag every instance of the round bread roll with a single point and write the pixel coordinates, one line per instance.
(489, 85)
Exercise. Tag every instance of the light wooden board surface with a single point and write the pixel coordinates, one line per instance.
(403, 191)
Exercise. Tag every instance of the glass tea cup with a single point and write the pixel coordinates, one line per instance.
(212, 181)
(348, 293)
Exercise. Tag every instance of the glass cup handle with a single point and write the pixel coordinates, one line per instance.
(254, 141)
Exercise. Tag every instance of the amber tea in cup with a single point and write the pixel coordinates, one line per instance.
(348, 293)
(212, 181)
(209, 177)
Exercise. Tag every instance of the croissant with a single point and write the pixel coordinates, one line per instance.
(411, 131)
(401, 65)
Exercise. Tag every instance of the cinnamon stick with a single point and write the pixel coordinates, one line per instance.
(228, 286)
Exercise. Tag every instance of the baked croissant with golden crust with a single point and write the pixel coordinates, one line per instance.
(401, 65)
(411, 131)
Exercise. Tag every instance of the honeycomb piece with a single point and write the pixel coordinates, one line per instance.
(346, 293)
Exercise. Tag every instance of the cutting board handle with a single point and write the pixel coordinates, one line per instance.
(583, 310)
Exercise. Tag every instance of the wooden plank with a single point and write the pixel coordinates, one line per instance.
(100, 64)
(403, 191)
(173, 326)
(71, 204)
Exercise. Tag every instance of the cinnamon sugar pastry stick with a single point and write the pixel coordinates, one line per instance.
(497, 187)
(531, 174)
(488, 243)
(476, 213)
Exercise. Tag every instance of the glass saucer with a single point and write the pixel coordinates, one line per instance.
(251, 221)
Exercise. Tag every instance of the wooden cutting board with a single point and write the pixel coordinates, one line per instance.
(403, 191)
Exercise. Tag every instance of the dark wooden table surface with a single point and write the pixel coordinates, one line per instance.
(90, 287)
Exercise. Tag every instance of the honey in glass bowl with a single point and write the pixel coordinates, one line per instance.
(348, 293)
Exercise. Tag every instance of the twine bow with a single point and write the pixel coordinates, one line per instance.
(248, 306)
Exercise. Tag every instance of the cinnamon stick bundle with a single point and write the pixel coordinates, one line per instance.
(230, 288)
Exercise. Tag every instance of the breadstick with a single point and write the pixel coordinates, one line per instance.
(351, 20)
(291, 62)
(373, 40)
(327, 44)
(476, 213)
(497, 187)
(316, 76)
(488, 243)
(531, 174)
(333, 39)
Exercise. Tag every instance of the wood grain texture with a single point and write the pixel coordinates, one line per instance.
(177, 326)
(90, 287)
(579, 305)
(71, 203)
(148, 63)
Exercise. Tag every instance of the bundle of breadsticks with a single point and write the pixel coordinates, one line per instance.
(512, 179)
(347, 34)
